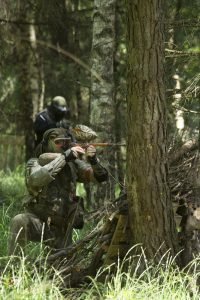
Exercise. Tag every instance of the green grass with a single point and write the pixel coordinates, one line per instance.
(161, 282)
(12, 186)
(12, 190)
(21, 279)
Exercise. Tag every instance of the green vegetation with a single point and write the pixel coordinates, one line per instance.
(21, 279)
(162, 282)
(12, 190)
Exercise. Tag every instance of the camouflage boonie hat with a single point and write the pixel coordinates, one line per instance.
(56, 134)
(60, 103)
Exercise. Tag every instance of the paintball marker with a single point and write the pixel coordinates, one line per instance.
(84, 135)
(86, 145)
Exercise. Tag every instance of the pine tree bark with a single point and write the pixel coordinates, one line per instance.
(102, 92)
(151, 215)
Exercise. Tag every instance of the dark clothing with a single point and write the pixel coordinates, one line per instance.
(43, 121)
(46, 120)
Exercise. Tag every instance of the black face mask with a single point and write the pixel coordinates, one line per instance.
(58, 113)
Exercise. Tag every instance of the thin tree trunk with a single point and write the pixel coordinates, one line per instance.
(119, 97)
(37, 86)
(79, 100)
(102, 92)
(29, 75)
(173, 80)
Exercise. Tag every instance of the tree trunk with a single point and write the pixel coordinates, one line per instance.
(102, 92)
(29, 75)
(119, 95)
(176, 133)
(151, 215)
(35, 67)
(77, 70)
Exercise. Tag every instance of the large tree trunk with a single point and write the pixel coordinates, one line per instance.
(102, 92)
(151, 215)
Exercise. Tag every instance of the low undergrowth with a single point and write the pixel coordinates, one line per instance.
(134, 278)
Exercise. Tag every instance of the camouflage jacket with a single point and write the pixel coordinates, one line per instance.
(51, 182)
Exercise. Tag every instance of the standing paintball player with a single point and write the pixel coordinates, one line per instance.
(55, 115)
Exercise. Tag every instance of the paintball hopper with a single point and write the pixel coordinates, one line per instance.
(83, 133)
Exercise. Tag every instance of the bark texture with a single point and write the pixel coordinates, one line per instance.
(31, 87)
(151, 215)
(36, 81)
(102, 91)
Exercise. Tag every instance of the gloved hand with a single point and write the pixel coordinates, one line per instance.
(91, 155)
(73, 153)
(91, 151)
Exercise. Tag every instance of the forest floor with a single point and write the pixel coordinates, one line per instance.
(31, 278)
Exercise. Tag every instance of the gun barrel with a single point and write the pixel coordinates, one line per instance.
(86, 145)
(105, 144)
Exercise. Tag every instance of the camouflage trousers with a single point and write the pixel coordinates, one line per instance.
(29, 227)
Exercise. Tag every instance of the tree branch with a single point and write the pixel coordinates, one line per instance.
(177, 53)
(18, 22)
(174, 156)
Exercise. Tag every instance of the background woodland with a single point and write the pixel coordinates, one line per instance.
(56, 48)
(106, 60)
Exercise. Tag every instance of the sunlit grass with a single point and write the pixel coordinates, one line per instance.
(134, 278)
(21, 279)
(160, 282)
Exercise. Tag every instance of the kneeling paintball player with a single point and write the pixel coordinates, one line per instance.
(52, 208)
